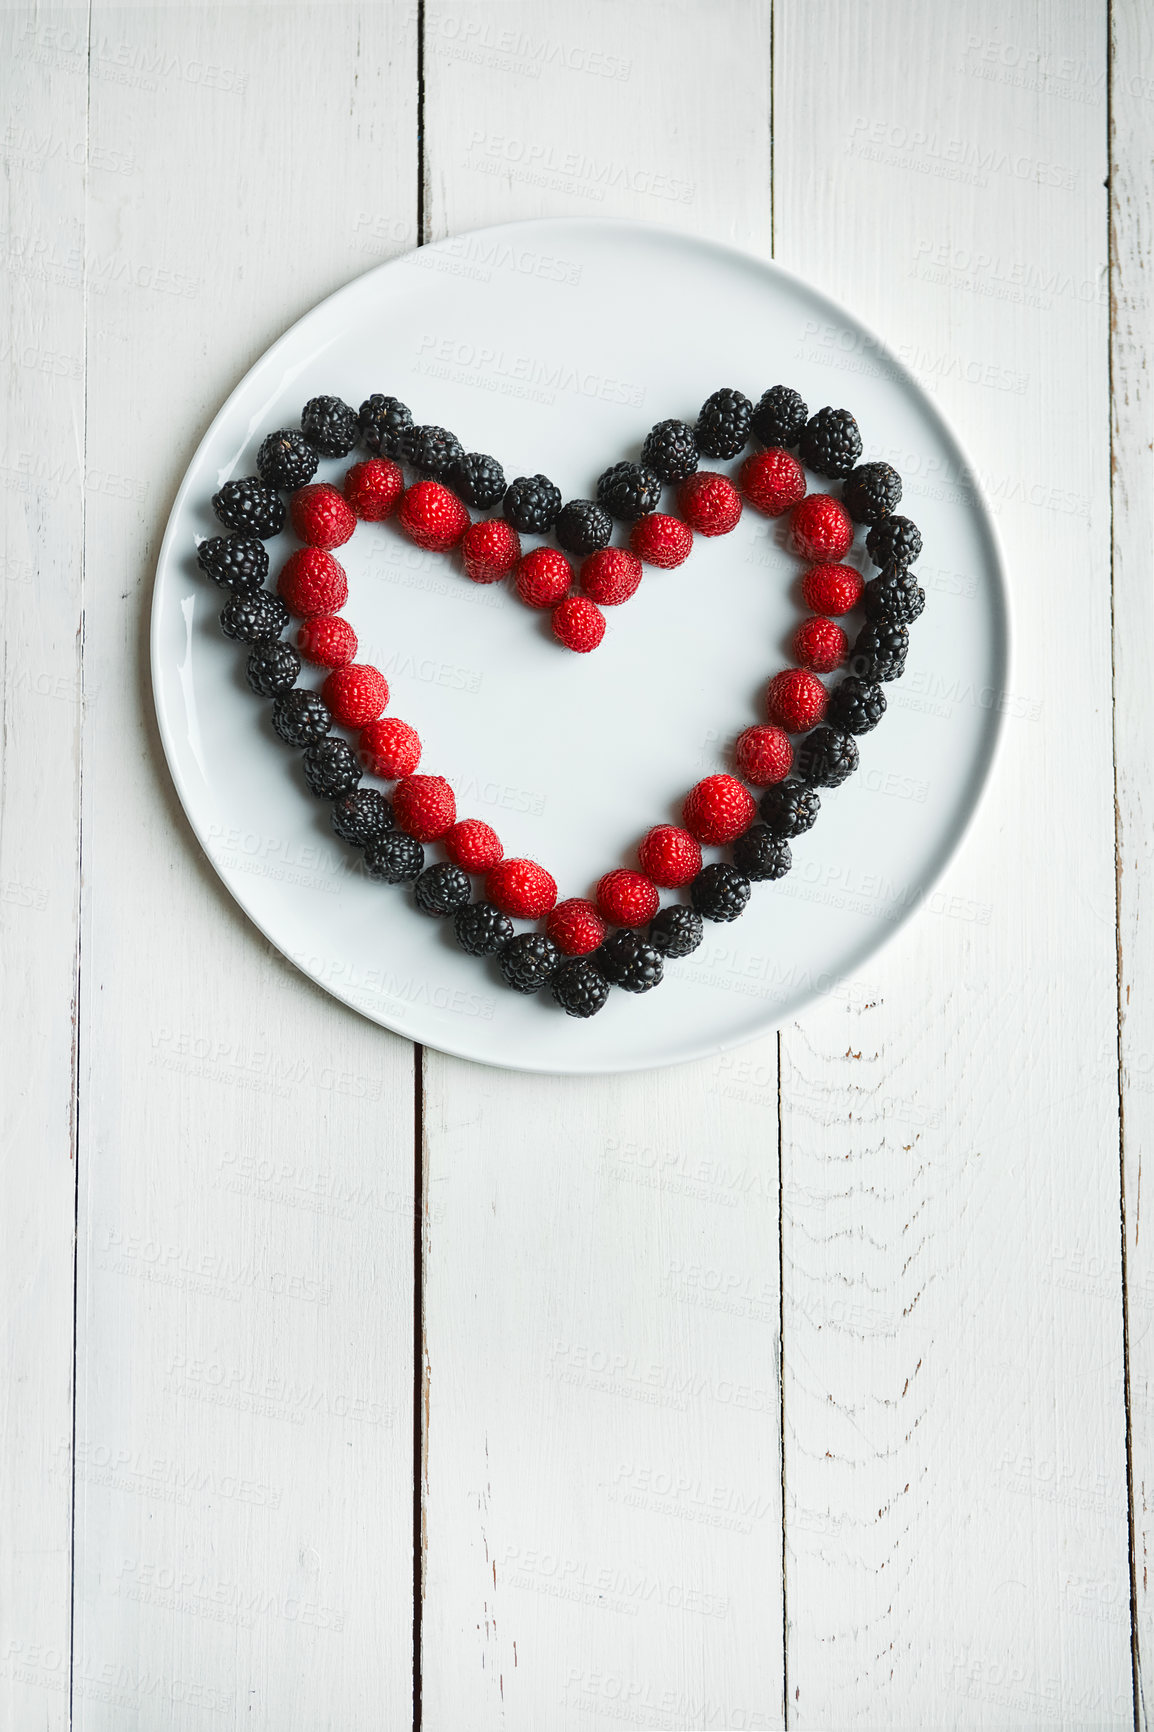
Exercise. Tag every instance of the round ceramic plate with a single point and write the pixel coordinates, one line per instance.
(555, 345)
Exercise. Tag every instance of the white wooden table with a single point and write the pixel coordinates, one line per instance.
(348, 1386)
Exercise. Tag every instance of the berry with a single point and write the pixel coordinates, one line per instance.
(896, 595)
(383, 422)
(311, 583)
(626, 898)
(578, 623)
(424, 806)
(709, 503)
(718, 809)
(362, 817)
(871, 492)
(527, 961)
(330, 425)
(254, 616)
(821, 528)
(773, 481)
(676, 931)
(611, 576)
(831, 589)
(477, 479)
(543, 577)
(481, 929)
(432, 451)
(372, 489)
(820, 645)
(491, 549)
(583, 526)
(720, 891)
(521, 888)
(331, 768)
(301, 717)
(473, 845)
(831, 443)
(575, 927)
(432, 516)
(670, 450)
(790, 808)
(272, 668)
(389, 748)
(669, 856)
(441, 889)
(234, 561)
(879, 651)
(780, 416)
(321, 517)
(826, 757)
(856, 706)
(761, 855)
(796, 700)
(249, 507)
(628, 490)
(395, 859)
(578, 987)
(629, 961)
(661, 540)
(763, 756)
(531, 504)
(894, 541)
(327, 641)
(723, 425)
(286, 460)
(356, 695)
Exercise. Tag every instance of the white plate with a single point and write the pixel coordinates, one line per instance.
(555, 345)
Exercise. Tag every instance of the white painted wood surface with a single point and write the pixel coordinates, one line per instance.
(894, 1228)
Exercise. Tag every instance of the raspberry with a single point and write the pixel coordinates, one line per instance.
(543, 577)
(611, 576)
(521, 888)
(321, 517)
(661, 540)
(627, 898)
(821, 527)
(432, 516)
(578, 623)
(773, 481)
(575, 927)
(796, 700)
(390, 748)
(831, 589)
(491, 549)
(356, 695)
(373, 488)
(709, 503)
(764, 755)
(473, 845)
(670, 856)
(311, 583)
(327, 642)
(424, 807)
(718, 809)
(820, 645)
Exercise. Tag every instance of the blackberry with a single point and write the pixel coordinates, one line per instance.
(234, 561)
(629, 490)
(894, 541)
(629, 961)
(395, 859)
(330, 425)
(583, 526)
(871, 492)
(531, 504)
(441, 889)
(895, 595)
(272, 668)
(670, 450)
(578, 988)
(789, 808)
(831, 443)
(856, 706)
(254, 616)
(826, 757)
(477, 479)
(383, 422)
(431, 450)
(286, 460)
(676, 930)
(780, 417)
(362, 817)
(301, 717)
(528, 961)
(720, 891)
(331, 768)
(482, 929)
(249, 507)
(879, 651)
(761, 855)
(723, 425)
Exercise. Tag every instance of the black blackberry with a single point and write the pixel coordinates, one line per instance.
(879, 651)
(780, 417)
(477, 479)
(856, 706)
(441, 889)
(720, 891)
(331, 768)
(894, 541)
(482, 929)
(531, 504)
(578, 988)
(629, 490)
(871, 492)
(629, 961)
(789, 808)
(286, 460)
(272, 668)
(896, 595)
(670, 450)
(395, 859)
(723, 425)
(234, 561)
(362, 817)
(761, 855)
(831, 443)
(383, 422)
(528, 961)
(301, 717)
(254, 616)
(826, 757)
(431, 450)
(676, 930)
(330, 425)
(249, 507)
(583, 526)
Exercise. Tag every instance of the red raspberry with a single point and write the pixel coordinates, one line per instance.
(772, 481)
(661, 540)
(610, 576)
(543, 577)
(521, 888)
(356, 695)
(320, 516)
(709, 503)
(627, 898)
(311, 583)
(327, 642)
(575, 927)
(578, 623)
(373, 488)
(821, 645)
(719, 809)
(432, 516)
(796, 700)
(473, 845)
(764, 755)
(390, 748)
(822, 527)
(491, 548)
(832, 589)
(670, 856)
(424, 806)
